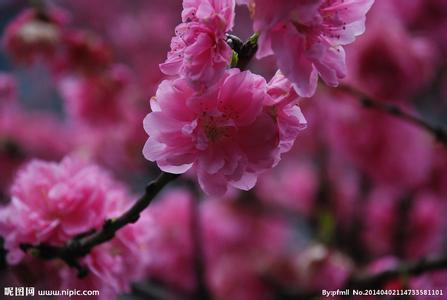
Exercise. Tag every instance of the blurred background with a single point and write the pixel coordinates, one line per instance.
(362, 190)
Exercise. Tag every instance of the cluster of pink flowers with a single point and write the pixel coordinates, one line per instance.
(230, 134)
(199, 51)
(307, 37)
(54, 202)
(229, 125)
(362, 191)
(99, 94)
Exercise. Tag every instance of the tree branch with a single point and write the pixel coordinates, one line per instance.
(439, 133)
(81, 246)
(376, 281)
(404, 269)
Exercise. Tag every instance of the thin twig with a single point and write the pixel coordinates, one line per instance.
(439, 133)
(79, 247)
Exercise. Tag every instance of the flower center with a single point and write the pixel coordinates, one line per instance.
(214, 128)
(213, 132)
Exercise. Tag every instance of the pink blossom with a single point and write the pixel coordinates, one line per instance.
(97, 99)
(33, 35)
(112, 265)
(199, 51)
(115, 264)
(219, 13)
(53, 202)
(307, 37)
(224, 134)
(376, 65)
(282, 103)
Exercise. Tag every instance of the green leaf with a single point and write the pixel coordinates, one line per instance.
(326, 228)
(234, 59)
(254, 38)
